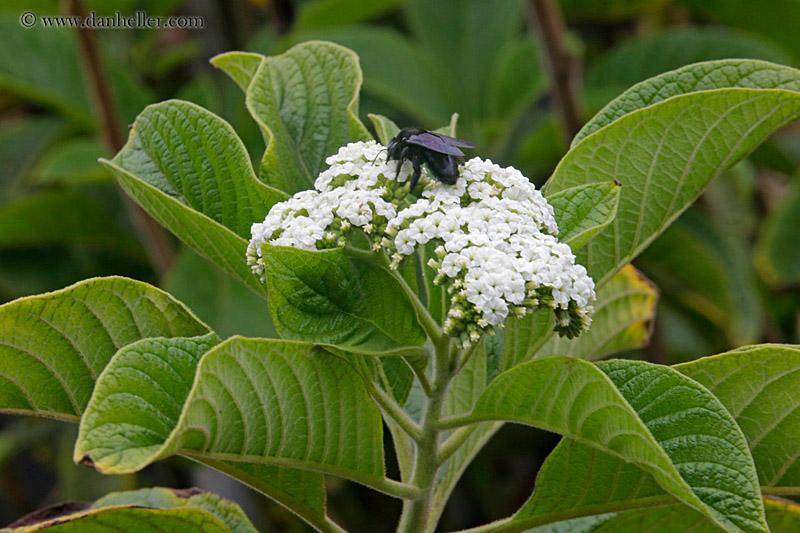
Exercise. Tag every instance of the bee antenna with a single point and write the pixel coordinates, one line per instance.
(376, 157)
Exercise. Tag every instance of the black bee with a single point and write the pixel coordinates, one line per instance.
(420, 146)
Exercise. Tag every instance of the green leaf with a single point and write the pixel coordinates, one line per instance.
(776, 255)
(173, 363)
(718, 283)
(188, 169)
(323, 13)
(704, 76)
(665, 154)
(465, 38)
(240, 66)
(54, 345)
(651, 54)
(46, 68)
(43, 68)
(516, 80)
(306, 103)
(783, 516)
(211, 240)
(160, 498)
(624, 312)
(396, 71)
(62, 217)
(525, 336)
(325, 297)
(773, 19)
(22, 141)
(606, 10)
(385, 128)
(225, 303)
(195, 156)
(131, 518)
(752, 383)
(72, 162)
(583, 211)
(242, 403)
(648, 415)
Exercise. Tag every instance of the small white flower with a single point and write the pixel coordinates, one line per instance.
(494, 234)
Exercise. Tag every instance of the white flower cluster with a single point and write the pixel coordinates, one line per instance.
(492, 233)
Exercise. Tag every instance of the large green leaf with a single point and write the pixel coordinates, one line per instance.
(583, 211)
(325, 297)
(73, 161)
(306, 103)
(193, 155)
(155, 509)
(752, 383)
(666, 153)
(260, 401)
(189, 170)
(155, 397)
(648, 415)
(53, 346)
(757, 384)
(396, 70)
(624, 311)
(704, 76)
(517, 79)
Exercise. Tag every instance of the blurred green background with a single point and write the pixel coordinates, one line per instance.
(728, 270)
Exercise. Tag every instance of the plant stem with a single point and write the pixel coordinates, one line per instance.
(416, 513)
(153, 237)
(393, 410)
(454, 442)
(545, 16)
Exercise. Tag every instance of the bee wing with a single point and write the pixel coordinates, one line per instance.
(433, 142)
(452, 141)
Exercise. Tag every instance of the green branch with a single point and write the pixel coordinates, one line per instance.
(390, 407)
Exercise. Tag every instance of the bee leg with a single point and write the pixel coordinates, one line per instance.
(400, 160)
(416, 175)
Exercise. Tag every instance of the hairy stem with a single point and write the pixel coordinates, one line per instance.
(153, 237)
(397, 414)
(545, 16)
(416, 513)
